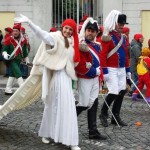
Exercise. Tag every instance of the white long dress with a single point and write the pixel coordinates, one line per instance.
(59, 120)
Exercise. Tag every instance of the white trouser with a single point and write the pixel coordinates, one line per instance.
(88, 90)
(117, 80)
(9, 85)
(20, 81)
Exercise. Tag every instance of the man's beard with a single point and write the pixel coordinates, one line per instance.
(90, 38)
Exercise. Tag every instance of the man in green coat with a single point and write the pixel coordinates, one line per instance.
(14, 51)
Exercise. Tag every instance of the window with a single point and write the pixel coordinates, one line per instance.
(63, 9)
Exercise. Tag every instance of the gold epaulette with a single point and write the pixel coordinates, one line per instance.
(83, 48)
(106, 38)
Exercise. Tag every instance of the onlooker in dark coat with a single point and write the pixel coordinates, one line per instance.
(135, 53)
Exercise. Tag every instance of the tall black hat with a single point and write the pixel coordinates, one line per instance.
(122, 19)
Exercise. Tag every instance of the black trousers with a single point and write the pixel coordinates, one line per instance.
(116, 105)
(91, 115)
(118, 102)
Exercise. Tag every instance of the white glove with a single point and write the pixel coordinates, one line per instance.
(5, 55)
(106, 77)
(128, 75)
(27, 60)
(22, 19)
(98, 72)
(44, 35)
(88, 65)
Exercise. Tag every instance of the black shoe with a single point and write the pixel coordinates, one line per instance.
(103, 120)
(120, 122)
(96, 135)
(8, 93)
(24, 77)
(139, 96)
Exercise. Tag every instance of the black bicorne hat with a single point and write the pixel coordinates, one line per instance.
(122, 19)
(92, 26)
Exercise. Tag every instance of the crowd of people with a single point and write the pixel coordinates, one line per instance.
(92, 56)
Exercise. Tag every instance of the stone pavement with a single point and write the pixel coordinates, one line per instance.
(19, 130)
(3, 80)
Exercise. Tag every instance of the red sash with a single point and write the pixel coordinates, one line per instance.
(14, 42)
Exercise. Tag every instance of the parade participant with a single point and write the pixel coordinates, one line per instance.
(115, 65)
(143, 71)
(100, 33)
(23, 31)
(14, 50)
(58, 55)
(53, 29)
(81, 22)
(135, 53)
(8, 32)
(126, 32)
(24, 67)
(88, 72)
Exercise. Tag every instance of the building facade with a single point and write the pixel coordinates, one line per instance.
(50, 13)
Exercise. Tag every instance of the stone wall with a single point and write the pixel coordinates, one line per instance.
(39, 11)
(133, 8)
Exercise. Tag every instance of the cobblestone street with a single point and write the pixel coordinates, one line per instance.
(68, 51)
(19, 130)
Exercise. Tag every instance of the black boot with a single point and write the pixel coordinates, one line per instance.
(8, 93)
(116, 109)
(92, 121)
(104, 111)
(79, 109)
(96, 135)
(103, 119)
(120, 122)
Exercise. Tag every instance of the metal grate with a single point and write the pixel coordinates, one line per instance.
(74, 9)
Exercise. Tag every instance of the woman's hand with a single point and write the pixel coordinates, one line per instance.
(21, 19)
(44, 35)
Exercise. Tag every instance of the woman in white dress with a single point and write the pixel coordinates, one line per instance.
(58, 55)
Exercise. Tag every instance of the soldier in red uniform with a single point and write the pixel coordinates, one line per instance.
(23, 31)
(53, 29)
(8, 32)
(115, 65)
(14, 50)
(100, 33)
(126, 32)
(88, 72)
(24, 67)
